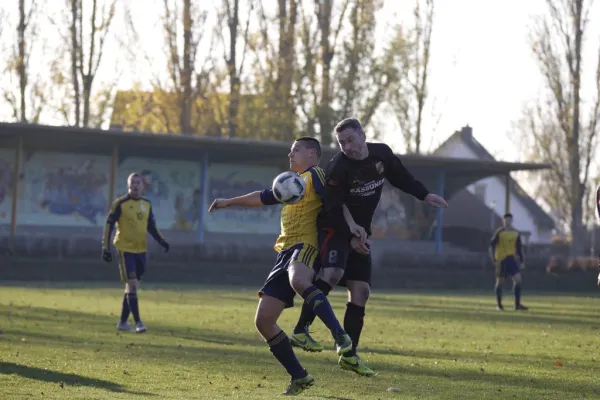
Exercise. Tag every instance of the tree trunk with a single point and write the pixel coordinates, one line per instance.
(75, 50)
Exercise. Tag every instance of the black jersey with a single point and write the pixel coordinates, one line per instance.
(358, 185)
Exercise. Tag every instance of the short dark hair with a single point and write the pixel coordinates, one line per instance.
(135, 175)
(348, 123)
(311, 143)
(508, 215)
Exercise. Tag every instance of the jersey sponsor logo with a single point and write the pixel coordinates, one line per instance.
(367, 189)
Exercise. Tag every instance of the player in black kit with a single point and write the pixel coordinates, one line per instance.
(354, 177)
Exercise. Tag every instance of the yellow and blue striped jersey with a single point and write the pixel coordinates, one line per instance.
(506, 243)
(299, 220)
(133, 219)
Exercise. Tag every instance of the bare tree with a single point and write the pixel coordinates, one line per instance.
(557, 126)
(319, 44)
(185, 78)
(85, 41)
(29, 98)
(274, 66)
(362, 78)
(231, 55)
(409, 53)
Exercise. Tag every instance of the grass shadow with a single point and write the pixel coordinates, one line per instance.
(482, 357)
(565, 386)
(97, 322)
(45, 375)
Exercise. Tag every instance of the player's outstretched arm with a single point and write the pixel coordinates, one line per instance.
(113, 216)
(254, 199)
(154, 232)
(401, 178)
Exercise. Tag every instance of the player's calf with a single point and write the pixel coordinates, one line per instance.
(268, 312)
(517, 292)
(132, 300)
(359, 292)
(301, 280)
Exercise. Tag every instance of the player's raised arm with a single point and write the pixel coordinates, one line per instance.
(254, 199)
(154, 232)
(400, 177)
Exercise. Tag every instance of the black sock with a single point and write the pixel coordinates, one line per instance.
(353, 324)
(132, 300)
(517, 290)
(125, 310)
(498, 290)
(307, 315)
(281, 348)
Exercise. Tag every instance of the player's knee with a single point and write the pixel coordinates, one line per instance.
(131, 286)
(263, 322)
(516, 279)
(301, 277)
(359, 293)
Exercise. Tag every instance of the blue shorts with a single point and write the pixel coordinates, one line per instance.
(507, 268)
(277, 284)
(132, 265)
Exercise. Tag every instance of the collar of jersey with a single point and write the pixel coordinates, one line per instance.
(312, 166)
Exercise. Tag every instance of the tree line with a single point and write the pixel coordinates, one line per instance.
(272, 69)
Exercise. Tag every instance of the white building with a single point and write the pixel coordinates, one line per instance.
(529, 217)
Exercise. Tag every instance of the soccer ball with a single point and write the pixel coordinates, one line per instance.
(289, 187)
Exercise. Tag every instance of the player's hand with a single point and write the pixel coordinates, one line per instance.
(107, 256)
(218, 203)
(435, 200)
(522, 265)
(360, 246)
(359, 232)
(165, 246)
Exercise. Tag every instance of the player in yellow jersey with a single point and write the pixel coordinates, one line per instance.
(132, 214)
(294, 268)
(505, 248)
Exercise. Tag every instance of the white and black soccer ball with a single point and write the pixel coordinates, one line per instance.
(289, 187)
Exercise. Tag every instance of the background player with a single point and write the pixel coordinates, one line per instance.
(505, 247)
(354, 177)
(293, 271)
(132, 214)
(598, 216)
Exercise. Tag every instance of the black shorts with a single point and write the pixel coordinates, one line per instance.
(277, 284)
(335, 252)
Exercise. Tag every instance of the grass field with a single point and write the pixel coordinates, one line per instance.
(61, 343)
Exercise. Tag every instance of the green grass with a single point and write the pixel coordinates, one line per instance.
(60, 343)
